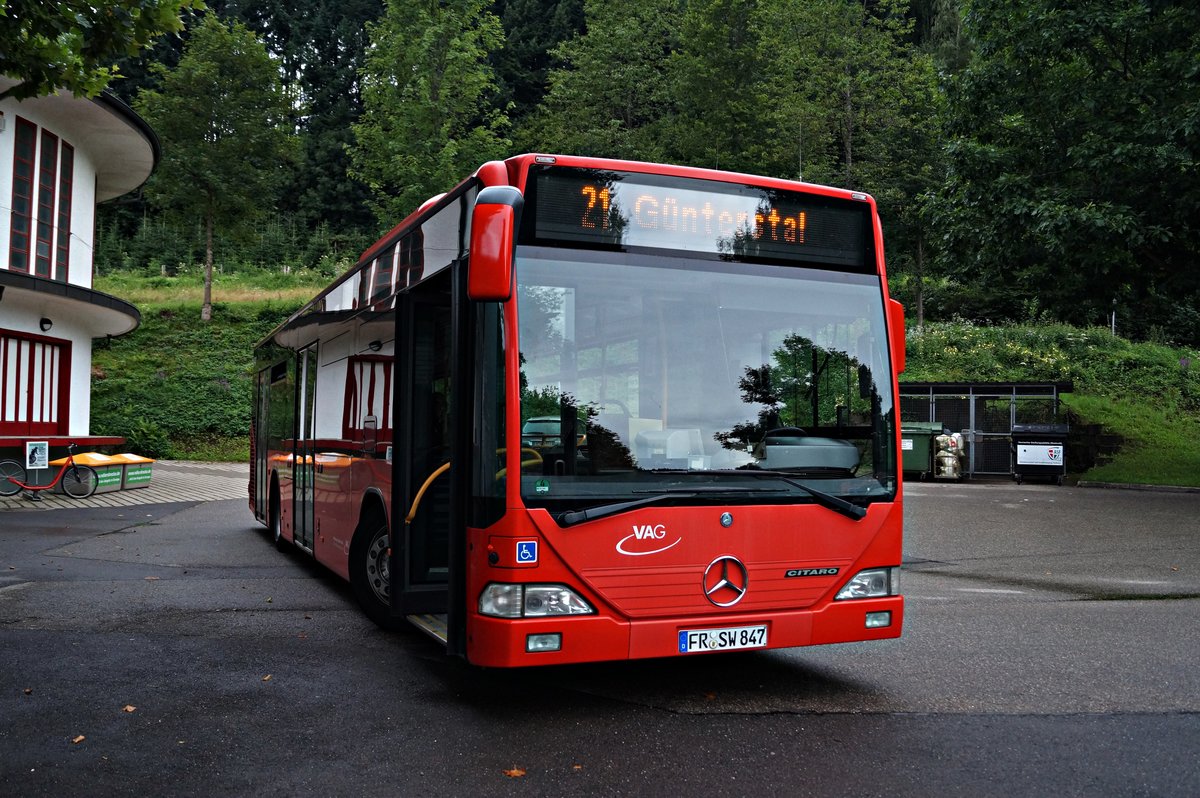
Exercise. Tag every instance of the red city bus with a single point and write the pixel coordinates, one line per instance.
(580, 409)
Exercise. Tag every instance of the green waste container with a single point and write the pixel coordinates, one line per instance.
(916, 446)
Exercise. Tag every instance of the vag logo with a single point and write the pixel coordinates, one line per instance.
(643, 540)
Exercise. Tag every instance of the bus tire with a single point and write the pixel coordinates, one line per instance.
(370, 574)
(274, 522)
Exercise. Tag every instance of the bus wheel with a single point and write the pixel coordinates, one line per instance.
(275, 525)
(370, 575)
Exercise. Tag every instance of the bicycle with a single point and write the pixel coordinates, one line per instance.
(78, 481)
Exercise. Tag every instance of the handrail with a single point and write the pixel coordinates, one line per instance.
(412, 513)
(437, 472)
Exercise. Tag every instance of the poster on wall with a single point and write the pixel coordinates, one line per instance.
(37, 454)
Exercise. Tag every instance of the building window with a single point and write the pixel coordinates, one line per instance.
(66, 179)
(43, 183)
(47, 185)
(22, 198)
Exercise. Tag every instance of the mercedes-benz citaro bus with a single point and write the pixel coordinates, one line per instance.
(717, 356)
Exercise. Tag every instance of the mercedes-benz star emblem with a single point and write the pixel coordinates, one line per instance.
(725, 581)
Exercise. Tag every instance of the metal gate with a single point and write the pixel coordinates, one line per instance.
(984, 413)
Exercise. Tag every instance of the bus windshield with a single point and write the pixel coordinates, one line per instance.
(696, 379)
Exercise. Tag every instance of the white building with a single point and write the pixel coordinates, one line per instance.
(59, 156)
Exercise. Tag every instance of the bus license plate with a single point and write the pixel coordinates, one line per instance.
(693, 640)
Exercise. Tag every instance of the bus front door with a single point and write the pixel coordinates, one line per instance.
(426, 513)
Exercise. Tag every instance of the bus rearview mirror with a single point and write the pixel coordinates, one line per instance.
(494, 224)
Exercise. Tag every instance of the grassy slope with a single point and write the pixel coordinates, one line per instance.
(180, 388)
(177, 387)
(1138, 391)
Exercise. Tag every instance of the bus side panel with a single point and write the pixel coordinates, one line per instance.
(345, 483)
(335, 508)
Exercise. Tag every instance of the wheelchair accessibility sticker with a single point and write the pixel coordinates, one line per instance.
(527, 552)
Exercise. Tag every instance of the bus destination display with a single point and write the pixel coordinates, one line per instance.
(732, 220)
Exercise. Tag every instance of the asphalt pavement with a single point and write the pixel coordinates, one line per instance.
(1049, 648)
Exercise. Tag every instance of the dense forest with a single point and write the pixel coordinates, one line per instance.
(1033, 160)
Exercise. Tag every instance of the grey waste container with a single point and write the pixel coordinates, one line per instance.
(1039, 450)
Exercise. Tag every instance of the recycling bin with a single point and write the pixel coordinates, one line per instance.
(1039, 450)
(137, 470)
(916, 446)
(108, 470)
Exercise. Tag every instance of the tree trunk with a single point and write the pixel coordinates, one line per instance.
(920, 281)
(206, 309)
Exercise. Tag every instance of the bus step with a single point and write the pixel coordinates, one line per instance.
(432, 625)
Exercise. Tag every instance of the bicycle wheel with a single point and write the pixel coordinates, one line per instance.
(10, 470)
(80, 481)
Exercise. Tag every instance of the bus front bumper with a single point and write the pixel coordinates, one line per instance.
(503, 643)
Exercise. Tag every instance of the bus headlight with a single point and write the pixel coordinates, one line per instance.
(872, 583)
(531, 601)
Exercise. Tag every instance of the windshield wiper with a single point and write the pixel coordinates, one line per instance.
(573, 517)
(826, 500)
(829, 501)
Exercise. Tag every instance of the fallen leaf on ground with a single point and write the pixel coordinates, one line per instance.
(28, 691)
(78, 739)
(130, 708)
(515, 773)
(267, 678)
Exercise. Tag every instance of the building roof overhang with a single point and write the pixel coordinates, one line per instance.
(120, 143)
(99, 313)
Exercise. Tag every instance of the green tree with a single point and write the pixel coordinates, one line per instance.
(320, 48)
(72, 45)
(830, 91)
(612, 94)
(719, 79)
(429, 93)
(1074, 187)
(532, 29)
(220, 116)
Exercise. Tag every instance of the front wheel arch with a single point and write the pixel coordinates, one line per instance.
(370, 566)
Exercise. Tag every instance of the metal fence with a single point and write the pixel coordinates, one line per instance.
(984, 413)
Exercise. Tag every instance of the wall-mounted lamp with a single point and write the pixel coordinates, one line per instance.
(45, 324)
(375, 346)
